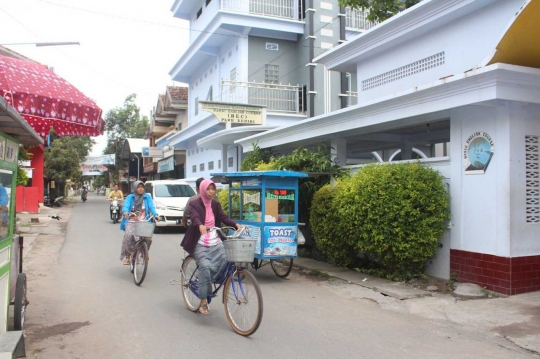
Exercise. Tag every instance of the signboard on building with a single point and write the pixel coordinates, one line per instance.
(166, 165)
(154, 152)
(477, 153)
(234, 113)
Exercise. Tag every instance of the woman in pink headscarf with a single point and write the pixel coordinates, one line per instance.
(205, 246)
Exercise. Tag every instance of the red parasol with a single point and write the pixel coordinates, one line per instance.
(46, 100)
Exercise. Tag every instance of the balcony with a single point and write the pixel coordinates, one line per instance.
(285, 9)
(276, 98)
(352, 98)
(356, 19)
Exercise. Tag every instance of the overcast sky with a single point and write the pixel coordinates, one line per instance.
(127, 46)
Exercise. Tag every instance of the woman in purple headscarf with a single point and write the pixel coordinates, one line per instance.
(206, 247)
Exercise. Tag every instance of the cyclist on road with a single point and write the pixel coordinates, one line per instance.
(192, 198)
(206, 247)
(136, 202)
(116, 194)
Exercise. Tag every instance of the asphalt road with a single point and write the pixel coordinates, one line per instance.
(85, 305)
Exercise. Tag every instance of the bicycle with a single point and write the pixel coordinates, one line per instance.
(143, 229)
(241, 291)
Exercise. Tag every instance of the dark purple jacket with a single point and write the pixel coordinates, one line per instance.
(198, 217)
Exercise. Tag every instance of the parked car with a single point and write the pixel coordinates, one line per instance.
(170, 198)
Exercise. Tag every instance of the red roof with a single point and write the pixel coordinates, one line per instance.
(178, 93)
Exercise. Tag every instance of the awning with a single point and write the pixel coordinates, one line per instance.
(12, 124)
(133, 145)
(228, 136)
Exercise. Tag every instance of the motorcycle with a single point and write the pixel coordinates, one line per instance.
(115, 210)
(84, 195)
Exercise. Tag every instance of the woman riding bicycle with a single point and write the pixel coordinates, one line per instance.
(205, 246)
(141, 203)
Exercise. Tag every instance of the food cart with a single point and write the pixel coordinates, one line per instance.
(14, 131)
(267, 202)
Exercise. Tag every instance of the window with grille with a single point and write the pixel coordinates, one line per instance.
(201, 167)
(196, 106)
(219, 164)
(404, 71)
(231, 161)
(194, 168)
(271, 74)
(532, 178)
(210, 165)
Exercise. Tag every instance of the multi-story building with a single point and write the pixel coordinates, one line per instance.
(257, 52)
(168, 117)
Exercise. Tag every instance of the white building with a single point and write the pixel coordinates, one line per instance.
(256, 53)
(461, 77)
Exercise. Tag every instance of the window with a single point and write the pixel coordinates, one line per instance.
(233, 78)
(209, 95)
(197, 150)
(271, 74)
(230, 53)
(208, 2)
(215, 66)
(272, 46)
(199, 13)
(219, 164)
(206, 75)
(231, 161)
(236, 47)
(196, 106)
(201, 167)
(173, 190)
(211, 165)
(194, 168)
(222, 60)
(211, 69)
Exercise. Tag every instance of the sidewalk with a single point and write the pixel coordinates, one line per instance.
(515, 318)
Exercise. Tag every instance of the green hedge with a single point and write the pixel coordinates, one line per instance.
(391, 216)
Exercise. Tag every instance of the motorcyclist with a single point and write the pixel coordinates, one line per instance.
(116, 194)
(84, 192)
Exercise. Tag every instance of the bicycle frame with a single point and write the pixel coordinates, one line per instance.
(229, 270)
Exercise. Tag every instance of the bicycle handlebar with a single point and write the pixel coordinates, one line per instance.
(237, 232)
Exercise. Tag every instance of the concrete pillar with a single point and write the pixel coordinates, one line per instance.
(406, 151)
(339, 150)
(37, 163)
(224, 161)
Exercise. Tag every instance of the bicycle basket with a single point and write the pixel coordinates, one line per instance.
(143, 228)
(239, 250)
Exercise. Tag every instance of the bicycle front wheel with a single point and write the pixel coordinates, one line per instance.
(140, 264)
(190, 282)
(243, 302)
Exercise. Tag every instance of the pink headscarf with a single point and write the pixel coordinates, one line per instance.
(210, 221)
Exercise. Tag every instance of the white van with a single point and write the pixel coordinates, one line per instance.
(170, 198)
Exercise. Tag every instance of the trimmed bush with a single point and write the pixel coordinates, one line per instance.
(393, 215)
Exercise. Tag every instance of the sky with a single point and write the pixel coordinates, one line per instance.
(126, 46)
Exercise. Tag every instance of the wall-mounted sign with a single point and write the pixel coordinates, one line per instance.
(477, 153)
(166, 165)
(225, 112)
(154, 152)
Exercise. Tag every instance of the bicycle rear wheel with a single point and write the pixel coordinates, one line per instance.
(243, 302)
(140, 264)
(190, 281)
(282, 267)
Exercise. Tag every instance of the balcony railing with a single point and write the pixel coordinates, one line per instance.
(287, 9)
(352, 98)
(276, 98)
(356, 19)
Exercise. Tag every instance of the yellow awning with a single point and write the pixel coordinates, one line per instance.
(520, 44)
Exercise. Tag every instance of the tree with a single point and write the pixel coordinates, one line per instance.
(121, 123)
(256, 157)
(63, 157)
(379, 10)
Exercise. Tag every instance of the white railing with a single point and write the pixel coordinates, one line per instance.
(352, 98)
(276, 98)
(287, 9)
(357, 19)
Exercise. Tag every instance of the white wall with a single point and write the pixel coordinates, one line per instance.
(466, 43)
(481, 203)
(198, 25)
(524, 120)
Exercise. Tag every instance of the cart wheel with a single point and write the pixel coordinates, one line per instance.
(282, 267)
(20, 302)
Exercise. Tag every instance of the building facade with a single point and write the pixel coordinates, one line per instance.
(461, 78)
(258, 53)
